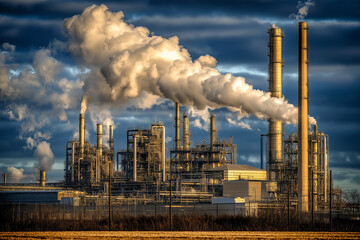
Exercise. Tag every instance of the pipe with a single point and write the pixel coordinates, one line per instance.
(135, 158)
(111, 137)
(72, 161)
(5, 179)
(177, 126)
(99, 138)
(42, 178)
(186, 141)
(315, 166)
(275, 88)
(163, 156)
(261, 150)
(212, 130)
(303, 120)
(82, 134)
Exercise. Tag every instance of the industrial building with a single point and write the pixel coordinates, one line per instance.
(297, 166)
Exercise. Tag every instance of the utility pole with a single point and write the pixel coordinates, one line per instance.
(109, 195)
(170, 204)
(288, 198)
(330, 202)
(312, 199)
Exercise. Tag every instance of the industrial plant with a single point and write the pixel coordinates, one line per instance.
(296, 170)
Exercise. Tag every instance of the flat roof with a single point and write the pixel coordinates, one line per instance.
(237, 167)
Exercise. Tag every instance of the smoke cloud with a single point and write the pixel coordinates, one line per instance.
(303, 9)
(126, 61)
(44, 155)
(83, 105)
(14, 175)
(240, 124)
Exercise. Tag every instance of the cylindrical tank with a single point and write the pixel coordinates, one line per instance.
(99, 138)
(177, 126)
(82, 133)
(42, 178)
(275, 88)
(303, 120)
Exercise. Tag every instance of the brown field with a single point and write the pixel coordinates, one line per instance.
(179, 235)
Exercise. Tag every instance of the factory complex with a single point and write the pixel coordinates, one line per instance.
(295, 171)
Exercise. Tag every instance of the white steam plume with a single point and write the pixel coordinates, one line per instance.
(126, 61)
(240, 124)
(83, 105)
(14, 175)
(303, 9)
(44, 155)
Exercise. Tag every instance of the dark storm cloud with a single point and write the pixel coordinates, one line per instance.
(235, 33)
(29, 32)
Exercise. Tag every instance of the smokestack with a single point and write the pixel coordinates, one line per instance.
(275, 88)
(177, 126)
(186, 134)
(82, 133)
(99, 138)
(212, 130)
(42, 178)
(303, 120)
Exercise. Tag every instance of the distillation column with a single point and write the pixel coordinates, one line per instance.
(275, 88)
(177, 126)
(303, 120)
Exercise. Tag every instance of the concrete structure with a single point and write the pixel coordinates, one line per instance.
(38, 197)
(303, 191)
(240, 172)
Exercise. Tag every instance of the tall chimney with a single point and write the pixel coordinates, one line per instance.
(82, 133)
(99, 138)
(186, 141)
(42, 178)
(275, 88)
(177, 126)
(212, 130)
(303, 120)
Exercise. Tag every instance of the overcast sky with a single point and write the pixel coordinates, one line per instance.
(43, 80)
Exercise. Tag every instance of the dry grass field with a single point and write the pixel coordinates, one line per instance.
(179, 235)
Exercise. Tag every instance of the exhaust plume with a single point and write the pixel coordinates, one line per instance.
(83, 105)
(44, 155)
(303, 9)
(15, 175)
(126, 61)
